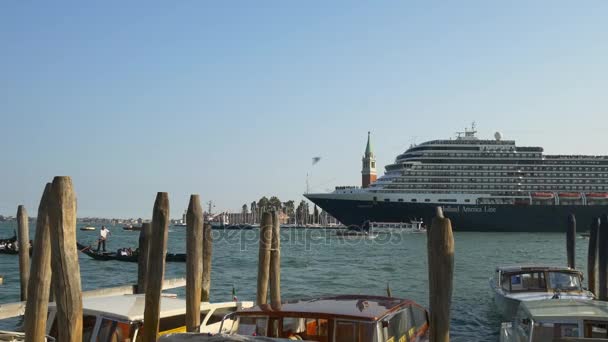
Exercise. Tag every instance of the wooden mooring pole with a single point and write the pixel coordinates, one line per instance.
(571, 240)
(602, 246)
(275, 263)
(592, 256)
(64, 260)
(156, 266)
(23, 241)
(264, 258)
(440, 248)
(207, 256)
(143, 256)
(194, 263)
(39, 285)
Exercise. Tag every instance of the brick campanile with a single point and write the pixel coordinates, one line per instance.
(368, 172)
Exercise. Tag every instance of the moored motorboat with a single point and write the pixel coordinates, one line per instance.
(515, 284)
(557, 320)
(120, 318)
(331, 319)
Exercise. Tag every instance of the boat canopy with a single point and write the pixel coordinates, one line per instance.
(532, 268)
(356, 307)
(131, 307)
(575, 309)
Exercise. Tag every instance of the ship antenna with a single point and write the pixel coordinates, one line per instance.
(307, 185)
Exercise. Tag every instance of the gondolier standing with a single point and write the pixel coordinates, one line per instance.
(103, 236)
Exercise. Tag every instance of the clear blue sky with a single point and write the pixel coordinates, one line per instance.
(232, 99)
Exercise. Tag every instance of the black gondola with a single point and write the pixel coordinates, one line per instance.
(105, 256)
(4, 243)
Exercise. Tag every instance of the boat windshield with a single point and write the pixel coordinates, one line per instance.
(524, 281)
(253, 326)
(564, 281)
(310, 328)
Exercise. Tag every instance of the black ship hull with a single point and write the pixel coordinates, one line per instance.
(480, 218)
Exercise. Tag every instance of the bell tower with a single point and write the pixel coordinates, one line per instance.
(368, 171)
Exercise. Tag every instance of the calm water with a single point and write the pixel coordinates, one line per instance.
(316, 263)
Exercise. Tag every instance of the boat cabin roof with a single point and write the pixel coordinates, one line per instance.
(532, 268)
(551, 309)
(131, 307)
(358, 307)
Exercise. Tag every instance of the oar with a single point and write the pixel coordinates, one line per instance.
(87, 247)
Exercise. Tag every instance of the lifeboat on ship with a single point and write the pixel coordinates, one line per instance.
(569, 195)
(597, 196)
(543, 195)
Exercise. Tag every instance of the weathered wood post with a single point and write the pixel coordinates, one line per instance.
(207, 256)
(39, 285)
(23, 241)
(440, 247)
(275, 263)
(571, 240)
(592, 256)
(264, 258)
(194, 263)
(64, 260)
(142, 257)
(603, 259)
(156, 265)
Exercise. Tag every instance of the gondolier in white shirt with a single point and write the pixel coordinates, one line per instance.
(103, 236)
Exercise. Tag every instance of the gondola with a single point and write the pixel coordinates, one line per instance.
(12, 241)
(105, 256)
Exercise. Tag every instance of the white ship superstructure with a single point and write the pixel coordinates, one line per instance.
(471, 175)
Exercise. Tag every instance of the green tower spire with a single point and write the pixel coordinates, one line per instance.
(368, 148)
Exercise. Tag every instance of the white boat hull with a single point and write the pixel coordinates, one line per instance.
(508, 303)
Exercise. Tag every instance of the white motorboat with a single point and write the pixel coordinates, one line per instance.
(515, 284)
(557, 320)
(120, 318)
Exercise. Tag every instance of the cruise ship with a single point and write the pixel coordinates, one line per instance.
(481, 184)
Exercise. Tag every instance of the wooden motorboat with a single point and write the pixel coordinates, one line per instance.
(107, 256)
(331, 319)
(120, 318)
(557, 320)
(515, 284)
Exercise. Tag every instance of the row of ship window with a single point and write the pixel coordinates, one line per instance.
(486, 174)
(508, 167)
(496, 155)
(491, 180)
(426, 200)
(500, 187)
